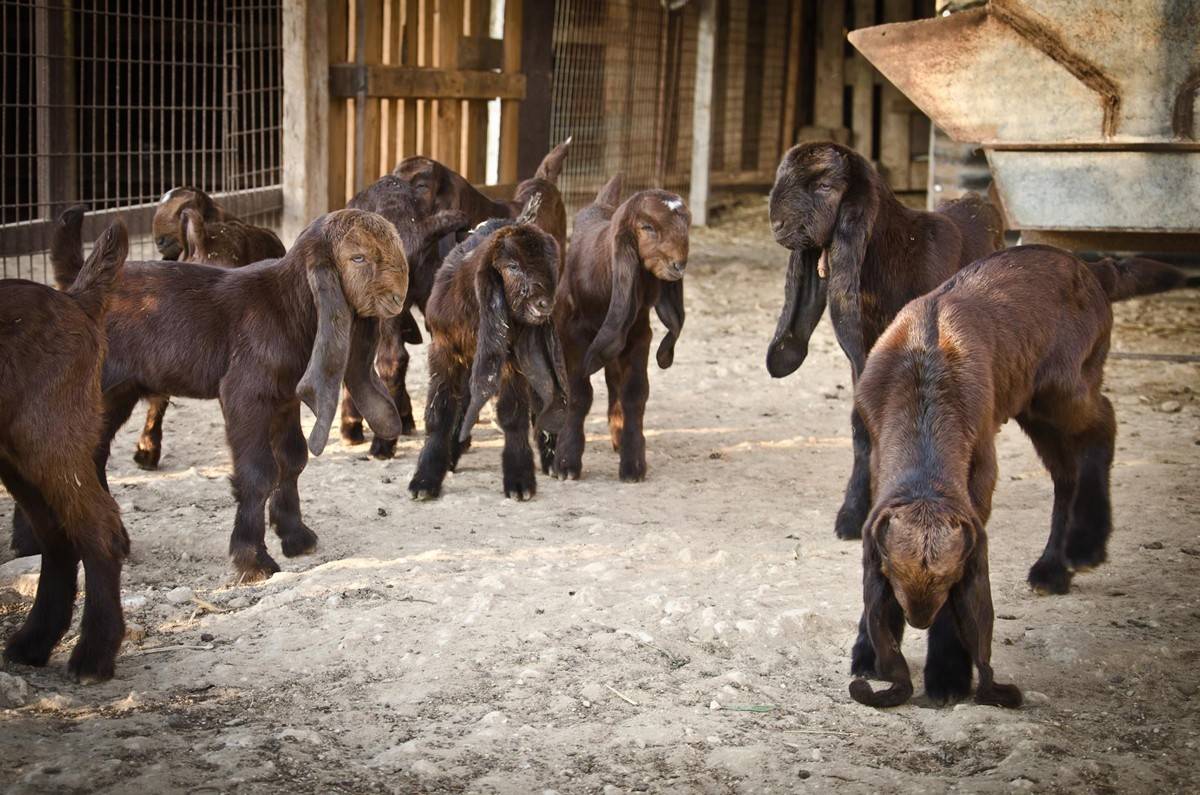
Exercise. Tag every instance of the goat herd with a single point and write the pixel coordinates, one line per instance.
(949, 335)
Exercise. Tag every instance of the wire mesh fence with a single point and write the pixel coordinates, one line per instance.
(110, 103)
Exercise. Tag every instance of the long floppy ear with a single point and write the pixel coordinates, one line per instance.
(624, 302)
(670, 311)
(491, 344)
(192, 233)
(803, 305)
(552, 163)
(320, 386)
(442, 223)
(847, 249)
(610, 194)
(540, 359)
(370, 395)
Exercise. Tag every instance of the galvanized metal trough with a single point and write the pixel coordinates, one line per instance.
(1086, 110)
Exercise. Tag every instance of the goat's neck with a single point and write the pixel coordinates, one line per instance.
(299, 315)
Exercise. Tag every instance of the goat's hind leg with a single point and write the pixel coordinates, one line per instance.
(1090, 524)
(857, 501)
(971, 602)
(883, 621)
(255, 474)
(351, 427)
(102, 543)
(50, 615)
(283, 509)
(1050, 574)
(149, 446)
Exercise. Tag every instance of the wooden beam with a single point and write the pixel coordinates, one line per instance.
(706, 47)
(307, 151)
(510, 109)
(420, 83)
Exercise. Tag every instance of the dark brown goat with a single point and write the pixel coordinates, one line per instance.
(51, 349)
(228, 244)
(492, 334)
(440, 189)
(1021, 334)
(623, 260)
(261, 339)
(420, 232)
(854, 245)
(249, 244)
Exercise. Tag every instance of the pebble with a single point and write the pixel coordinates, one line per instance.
(180, 596)
(1170, 406)
(133, 602)
(1153, 545)
(238, 602)
(135, 633)
(14, 691)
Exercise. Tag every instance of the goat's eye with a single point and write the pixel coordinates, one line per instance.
(648, 228)
(358, 259)
(512, 266)
(422, 186)
(824, 187)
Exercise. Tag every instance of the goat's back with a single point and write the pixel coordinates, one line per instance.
(980, 224)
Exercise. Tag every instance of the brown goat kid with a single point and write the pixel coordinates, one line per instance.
(492, 335)
(51, 348)
(856, 247)
(230, 243)
(441, 189)
(261, 339)
(1021, 334)
(625, 258)
(253, 243)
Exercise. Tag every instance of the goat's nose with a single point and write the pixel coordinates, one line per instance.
(679, 266)
(543, 305)
(777, 226)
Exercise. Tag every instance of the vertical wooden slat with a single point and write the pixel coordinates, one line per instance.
(537, 64)
(775, 34)
(894, 144)
(735, 85)
(309, 124)
(475, 133)
(509, 109)
(706, 37)
(426, 107)
(337, 27)
(449, 111)
(412, 28)
(393, 26)
(57, 146)
(791, 85)
(862, 78)
(830, 66)
(372, 54)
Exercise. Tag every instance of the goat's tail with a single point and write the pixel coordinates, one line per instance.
(95, 278)
(66, 246)
(1128, 278)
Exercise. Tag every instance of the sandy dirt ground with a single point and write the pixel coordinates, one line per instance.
(691, 633)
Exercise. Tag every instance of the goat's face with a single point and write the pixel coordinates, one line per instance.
(428, 179)
(923, 551)
(659, 222)
(809, 186)
(167, 226)
(527, 260)
(370, 258)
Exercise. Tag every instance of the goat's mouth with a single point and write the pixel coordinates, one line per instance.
(536, 317)
(389, 305)
(168, 247)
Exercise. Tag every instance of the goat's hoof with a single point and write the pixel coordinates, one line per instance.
(422, 488)
(26, 647)
(254, 565)
(352, 433)
(520, 487)
(862, 659)
(1049, 578)
(299, 540)
(947, 680)
(90, 665)
(408, 426)
(567, 471)
(383, 449)
(997, 695)
(848, 526)
(147, 457)
(1085, 557)
(862, 692)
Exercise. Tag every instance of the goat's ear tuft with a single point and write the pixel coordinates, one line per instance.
(610, 194)
(552, 163)
(194, 236)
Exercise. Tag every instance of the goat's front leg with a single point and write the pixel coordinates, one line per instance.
(568, 452)
(392, 364)
(447, 386)
(149, 446)
(512, 412)
(614, 378)
(635, 390)
(248, 422)
(291, 456)
(971, 600)
(884, 621)
(857, 502)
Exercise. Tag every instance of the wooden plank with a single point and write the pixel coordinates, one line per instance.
(372, 111)
(409, 58)
(393, 27)
(861, 77)
(830, 66)
(510, 109)
(537, 64)
(735, 86)
(426, 83)
(894, 143)
(774, 78)
(337, 49)
(425, 108)
(473, 51)
(57, 136)
(791, 86)
(309, 154)
(449, 110)
(706, 46)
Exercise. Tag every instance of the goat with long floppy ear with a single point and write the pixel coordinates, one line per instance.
(492, 336)
(854, 247)
(625, 257)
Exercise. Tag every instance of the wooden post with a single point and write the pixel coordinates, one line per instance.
(370, 39)
(475, 140)
(412, 27)
(449, 111)
(830, 68)
(894, 133)
(791, 87)
(306, 112)
(862, 79)
(510, 109)
(537, 62)
(706, 46)
(57, 146)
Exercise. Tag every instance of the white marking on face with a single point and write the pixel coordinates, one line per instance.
(675, 205)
